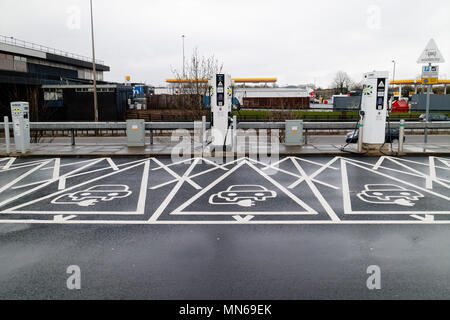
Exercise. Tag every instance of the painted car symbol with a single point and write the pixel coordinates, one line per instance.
(242, 195)
(389, 194)
(257, 193)
(94, 195)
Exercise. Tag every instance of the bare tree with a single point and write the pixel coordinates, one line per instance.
(198, 68)
(342, 82)
(357, 86)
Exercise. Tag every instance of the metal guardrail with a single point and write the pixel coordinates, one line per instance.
(340, 125)
(73, 127)
(67, 126)
(49, 126)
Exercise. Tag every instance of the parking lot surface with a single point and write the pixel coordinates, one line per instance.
(287, 228)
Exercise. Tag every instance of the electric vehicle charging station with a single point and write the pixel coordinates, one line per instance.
(374, 109)
(20, 112)
(221, 99)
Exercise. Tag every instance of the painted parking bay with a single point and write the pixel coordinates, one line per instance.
(291, 190)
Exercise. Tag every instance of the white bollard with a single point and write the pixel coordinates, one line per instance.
(203, 133)
(234, 136)
(22, 137)
(360, 136)
(7, 138)
(401, 136)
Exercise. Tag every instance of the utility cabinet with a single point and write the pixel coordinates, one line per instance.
(136, 133)
(294, 132)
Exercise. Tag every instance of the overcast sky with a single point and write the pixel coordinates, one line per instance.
(295, 41)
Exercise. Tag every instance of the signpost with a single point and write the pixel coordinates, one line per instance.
(430, 74)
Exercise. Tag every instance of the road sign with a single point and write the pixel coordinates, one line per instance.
(430, 72)
(431, 54)
(430, 81)
(138, 91)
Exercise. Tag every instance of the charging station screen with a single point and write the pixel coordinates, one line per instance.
(220, 89)
(380, 104)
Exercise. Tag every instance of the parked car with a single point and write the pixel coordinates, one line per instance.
(434, 117)
(391, 135)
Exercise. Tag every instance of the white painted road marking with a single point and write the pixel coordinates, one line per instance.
(434, 186)
(303, 205)
(9, 164)
(347, 198)
(140, 205)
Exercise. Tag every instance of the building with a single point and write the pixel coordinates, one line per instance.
(47, 79)
(277, 98)
(67, 102)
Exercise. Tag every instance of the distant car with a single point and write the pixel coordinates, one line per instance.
(355, 93)
(391, 136)
(434, 117)
(257, 193)
(102, 193)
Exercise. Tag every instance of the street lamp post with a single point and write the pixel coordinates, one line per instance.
(184, 71)
(94, 69)
(393, 75)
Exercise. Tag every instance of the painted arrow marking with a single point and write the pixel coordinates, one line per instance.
(427, 218)
(61, 218)
(245, 219)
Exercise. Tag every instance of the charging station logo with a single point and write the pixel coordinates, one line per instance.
(368, 90)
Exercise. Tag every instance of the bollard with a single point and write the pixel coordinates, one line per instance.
(198, 136)
(234, 133)
(401, 136)
(360, 136)
(203, 133)
(22, 138)
(72, 134)
(427, 114)
(151, 136)
(7, 140)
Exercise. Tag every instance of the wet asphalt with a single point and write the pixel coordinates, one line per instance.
(177, 260)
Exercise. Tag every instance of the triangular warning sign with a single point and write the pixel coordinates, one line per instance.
(431, 54)
(381, 84)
